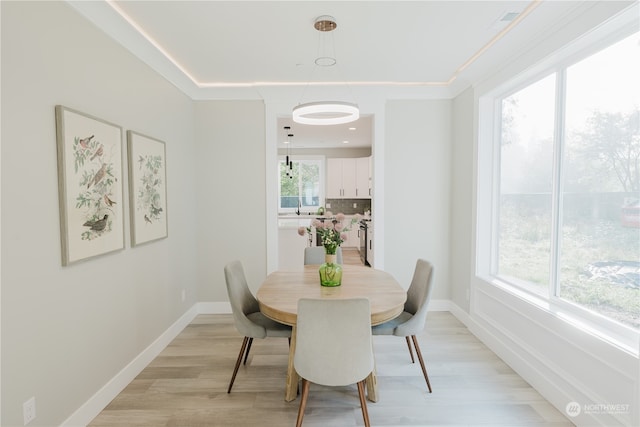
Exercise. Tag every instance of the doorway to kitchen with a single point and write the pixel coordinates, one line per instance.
(344, 185)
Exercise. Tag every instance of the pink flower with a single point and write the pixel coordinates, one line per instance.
(331, 231)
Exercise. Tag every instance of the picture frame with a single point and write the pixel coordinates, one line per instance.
(147, 188)
(90, 188)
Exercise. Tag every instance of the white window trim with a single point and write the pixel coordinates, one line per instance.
(489, 112)
(323, 178)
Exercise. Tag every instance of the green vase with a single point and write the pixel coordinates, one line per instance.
(330, 271)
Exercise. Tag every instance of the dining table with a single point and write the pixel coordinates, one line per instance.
(279, 293)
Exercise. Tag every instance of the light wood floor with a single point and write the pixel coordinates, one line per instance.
(186, 385)
(351, 256)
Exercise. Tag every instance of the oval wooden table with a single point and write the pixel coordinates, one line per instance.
(279, 294)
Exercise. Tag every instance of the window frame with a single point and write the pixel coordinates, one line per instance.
(488, 191)
(321, 160)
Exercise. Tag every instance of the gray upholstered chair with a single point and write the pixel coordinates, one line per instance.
(315, 255)
(333, 346)
(412, 320)
(249, 321)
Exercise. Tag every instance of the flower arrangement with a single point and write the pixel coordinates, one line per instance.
(332, 230)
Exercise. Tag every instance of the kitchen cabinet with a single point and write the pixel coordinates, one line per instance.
(290, 248)
(341, 178)
(348, 178)
(334, 178)
(353, 237)
(290, 244)
(363, 178)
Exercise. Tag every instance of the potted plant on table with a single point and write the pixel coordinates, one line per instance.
(333, 232)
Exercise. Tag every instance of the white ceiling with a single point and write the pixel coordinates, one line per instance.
(357, 134)
(384, 49)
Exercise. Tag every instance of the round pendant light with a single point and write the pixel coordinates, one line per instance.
(325, 112)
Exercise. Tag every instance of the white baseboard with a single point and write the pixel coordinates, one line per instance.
(439, 305)
(460, 314)
(90, 409)
(553, 384)
(515, 358)
(523, 364)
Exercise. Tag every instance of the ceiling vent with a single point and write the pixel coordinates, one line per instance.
(504, 20)
(509, 16)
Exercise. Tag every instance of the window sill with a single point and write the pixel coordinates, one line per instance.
(617, 335)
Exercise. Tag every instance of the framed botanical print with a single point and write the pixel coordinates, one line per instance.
(147, 188)
(89, 185)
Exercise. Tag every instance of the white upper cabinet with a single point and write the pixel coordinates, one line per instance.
(362, 178)
(348, 178)
(334, 178)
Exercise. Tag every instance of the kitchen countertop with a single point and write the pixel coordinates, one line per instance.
(304, 220)
(291, 221)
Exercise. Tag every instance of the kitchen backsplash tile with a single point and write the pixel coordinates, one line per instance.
(346, 206)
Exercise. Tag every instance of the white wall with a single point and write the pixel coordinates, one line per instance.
(67, 331)
(417, 159)
(462, 182)
(231, 193)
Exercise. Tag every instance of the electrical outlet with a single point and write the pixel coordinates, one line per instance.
(29, 410)
(355, 205)
(328, 205)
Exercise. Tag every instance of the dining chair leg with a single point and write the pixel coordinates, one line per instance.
(410, 351)
(363, 402)
(303, 401)
(246, 354)
(298, 388)
(419, 353)
(235, 370)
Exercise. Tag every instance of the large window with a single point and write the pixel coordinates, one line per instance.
(300, 185)
(567, 196)
(526, 168)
